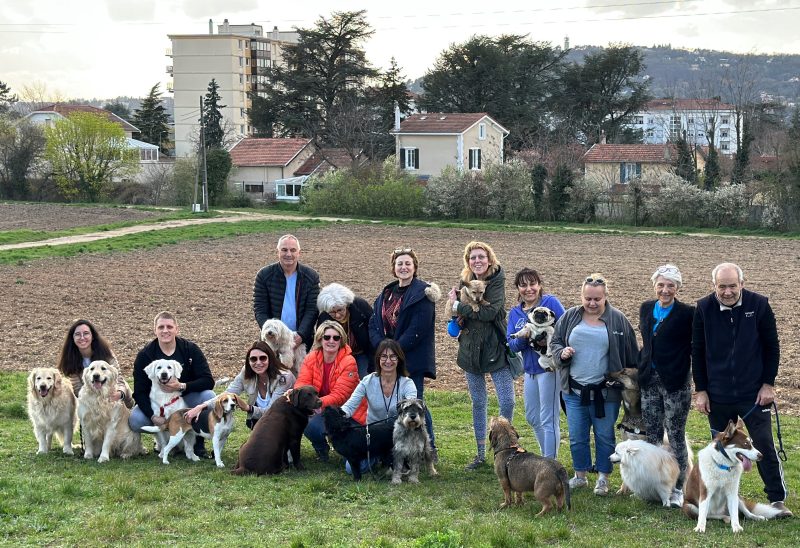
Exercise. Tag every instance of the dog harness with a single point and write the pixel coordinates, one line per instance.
(163, 407)
(517, 451)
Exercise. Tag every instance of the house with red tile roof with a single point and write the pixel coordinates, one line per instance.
(264, 168)
(325, 160)
(47, 114)
(428, 142)
(619, 164)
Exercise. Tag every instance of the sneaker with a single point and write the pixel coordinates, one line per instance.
(784, 512)
(601, 487)
(576, 482)
(676, 498)
(476, 463)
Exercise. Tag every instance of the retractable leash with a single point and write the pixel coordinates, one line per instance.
(781, 452)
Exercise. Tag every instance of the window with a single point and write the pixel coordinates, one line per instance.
(148, 154)
(637, 120)
(288, 190)
(628, 171)
(241, 61)
(675, 126)
(481, 131)
(723, 133)
(725, 120)
(651, 121)
(724, 146)
(650, 133)
(474, 158)
(409, 158)
(690, 120)
(240, 44)
(259, 188)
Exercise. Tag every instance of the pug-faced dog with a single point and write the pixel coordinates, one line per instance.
(540, 323)
(472, 294)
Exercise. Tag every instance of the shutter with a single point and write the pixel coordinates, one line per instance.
(471, 158)
(479, 158)
(403, 152)
(622, 172)
(416, 158)
(638, 170)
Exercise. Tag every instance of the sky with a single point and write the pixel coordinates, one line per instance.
(62, 49)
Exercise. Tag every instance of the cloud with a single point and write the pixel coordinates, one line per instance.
(126, 11)
(204, 9)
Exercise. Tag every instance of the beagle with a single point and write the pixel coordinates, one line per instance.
(214, 423)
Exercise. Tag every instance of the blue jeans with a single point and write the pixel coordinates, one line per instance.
(580, 419)
(540, 394)
(419, 383)
(315, 432)
(192, 399)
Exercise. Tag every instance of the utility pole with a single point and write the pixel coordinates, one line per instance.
(203, 150)
(199, 151)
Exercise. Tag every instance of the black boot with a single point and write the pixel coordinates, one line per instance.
(200, 448)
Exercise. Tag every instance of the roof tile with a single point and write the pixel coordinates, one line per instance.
(655, 154)
(253, 151)
(440, 122)
(65, 110)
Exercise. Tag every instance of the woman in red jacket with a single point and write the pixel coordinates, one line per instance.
(330, 368)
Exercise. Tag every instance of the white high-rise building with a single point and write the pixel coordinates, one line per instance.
(236, 57)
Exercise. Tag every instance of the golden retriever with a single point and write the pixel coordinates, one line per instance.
(51, 408)
(104, 423)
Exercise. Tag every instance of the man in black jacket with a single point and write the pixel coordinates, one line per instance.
(195, 384)
(297, 308)
(735, 355)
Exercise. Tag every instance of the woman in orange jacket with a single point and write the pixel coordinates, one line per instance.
(330, 368)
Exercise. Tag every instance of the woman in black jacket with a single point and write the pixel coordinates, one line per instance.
(664, 368)
(338, 303)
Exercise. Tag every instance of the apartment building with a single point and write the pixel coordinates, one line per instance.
(700, 120)
(236, 57)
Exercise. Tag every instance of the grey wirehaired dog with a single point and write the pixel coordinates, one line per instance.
(412, 447)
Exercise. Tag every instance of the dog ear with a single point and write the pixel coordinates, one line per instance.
(218, 411)
(400, 407)
(32, 376)
(178, 370)
(730, 431)
(740, 423)
(632, 450)
(149, 369)
(294, 397)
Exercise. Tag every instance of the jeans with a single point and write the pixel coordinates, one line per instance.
(419, 383)
(315, 432)
(580, 419)
(192, 399)
(540, 394)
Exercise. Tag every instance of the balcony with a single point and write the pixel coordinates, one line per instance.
(168, 52)
(169, 70)
(170, 87)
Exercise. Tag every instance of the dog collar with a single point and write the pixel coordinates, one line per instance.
(723, 467)
(630, 430)
(163, 407)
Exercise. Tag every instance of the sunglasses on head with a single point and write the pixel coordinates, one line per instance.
(334, 337)
(595, 280)
(254, 359)
(667, 270)
(402, 250)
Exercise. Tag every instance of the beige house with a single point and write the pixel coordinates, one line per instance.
(265, 168)
(427, 143)
(619, 164)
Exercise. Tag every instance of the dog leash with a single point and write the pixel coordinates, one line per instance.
(781, 452)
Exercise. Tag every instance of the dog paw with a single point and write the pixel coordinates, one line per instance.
(756, 517)
(220, 464)
(165, 461)
(88, 455)
(103, 458)
(396, 481)
(737, 528)
(41, 452)
(700, 529)
(68, 451)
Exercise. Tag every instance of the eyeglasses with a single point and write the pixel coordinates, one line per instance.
(478, 257)
(334, 337)
(595, 280)
(78, 335)
(262, 359)
(387, 358)
(337, 311)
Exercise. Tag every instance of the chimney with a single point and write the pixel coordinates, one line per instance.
(602, 137)
(667, 153)
(396, 117)
(566, 43)
(226, 26)
(210, 26)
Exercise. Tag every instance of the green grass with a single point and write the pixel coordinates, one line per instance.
(25, 235)
(156, 238)
(59, 500)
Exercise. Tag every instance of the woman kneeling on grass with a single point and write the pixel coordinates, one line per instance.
(383, 389)
(263, 378)
(591, 340)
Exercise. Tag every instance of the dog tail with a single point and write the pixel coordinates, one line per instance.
(224, 381)
(761, 509)
(154, 429)
(562, 475)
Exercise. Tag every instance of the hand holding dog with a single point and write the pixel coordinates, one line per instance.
(192, 414)
(567, 353)
(172, 386)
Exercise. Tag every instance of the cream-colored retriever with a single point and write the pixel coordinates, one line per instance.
(281, 339)
(104, 423)
(51, 408)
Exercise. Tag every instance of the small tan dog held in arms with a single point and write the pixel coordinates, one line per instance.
(519, 471)
(472, 294)
(51, 408)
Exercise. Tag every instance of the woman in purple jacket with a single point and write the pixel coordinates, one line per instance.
(541, 388)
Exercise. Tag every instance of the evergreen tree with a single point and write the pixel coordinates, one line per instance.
(152, 120)
(218, 166)
(6, 98)
(214, 132)
(120, 109)
(559, 191)
(742, 156)
(684, 163)
(711, 174)
(538, 180)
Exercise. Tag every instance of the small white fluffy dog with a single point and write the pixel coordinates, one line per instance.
(648, 470)
(51, 408)
(281, 339)
(104, 424)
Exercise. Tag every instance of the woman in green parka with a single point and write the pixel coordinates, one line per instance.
(481, 343)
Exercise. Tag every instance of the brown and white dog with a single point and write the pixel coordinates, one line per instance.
(632, 424)
(472, 292)
(712, 490)
(51, 408)
(215, 424)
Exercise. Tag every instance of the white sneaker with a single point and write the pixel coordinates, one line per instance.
(576, 482)
(676, 498)
(601, 487)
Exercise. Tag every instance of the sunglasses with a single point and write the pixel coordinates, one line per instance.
(334, 337)
(666, 270)
(254, 359)
(595, 280)
(403, 250)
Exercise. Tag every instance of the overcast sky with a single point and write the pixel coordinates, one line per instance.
(106, 48)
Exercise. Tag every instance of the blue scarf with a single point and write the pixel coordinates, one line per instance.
(659, 315)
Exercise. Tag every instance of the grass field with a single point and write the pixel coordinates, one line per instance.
(57, 500)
